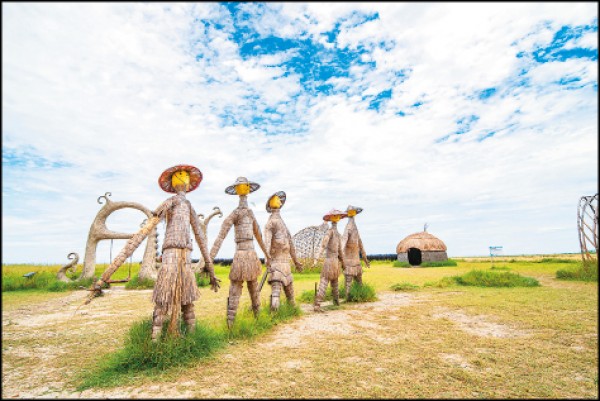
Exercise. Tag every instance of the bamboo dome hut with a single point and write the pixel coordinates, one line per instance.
(421, 247)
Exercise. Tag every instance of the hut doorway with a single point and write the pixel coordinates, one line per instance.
(414, 256)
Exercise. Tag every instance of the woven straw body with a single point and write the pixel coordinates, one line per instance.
(280, 246)
(246, 266)
(165, 287)
(352, 245)
(332, 244)
(177, 215)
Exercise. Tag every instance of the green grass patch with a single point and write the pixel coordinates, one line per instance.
(499, 268)
(41, 280)
(404, 287)
(481, 278)
(558, 260)
(440, 263)
(401, 264)
(202, 280)
(141, 356)
(582, 272)
(139, 284)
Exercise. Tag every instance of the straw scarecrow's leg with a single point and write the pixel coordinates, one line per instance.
(157, 321)
(289, 293)
(254, 296)
(335, 291)
(276, 290)
(235, 291)
(359, 278)
(320, 293)
(189, 317)
(348, 280)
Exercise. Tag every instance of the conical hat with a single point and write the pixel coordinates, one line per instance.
(281, 195)
(241, 180)
(334, 212)
(350, 207)
(164, 181)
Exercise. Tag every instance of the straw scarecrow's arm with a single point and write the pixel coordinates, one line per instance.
(268, 237)
(362, 251)
(293, 251)
(341, 252)
(225, 227)
(259, 238)
(346, 235)
(201, 240)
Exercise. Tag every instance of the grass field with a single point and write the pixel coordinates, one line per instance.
(417, 341)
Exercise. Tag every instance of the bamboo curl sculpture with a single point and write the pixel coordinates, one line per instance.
(72, 266)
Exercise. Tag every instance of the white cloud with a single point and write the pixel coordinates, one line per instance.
(120, 92)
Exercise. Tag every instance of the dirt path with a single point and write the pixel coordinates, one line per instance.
(36, 333)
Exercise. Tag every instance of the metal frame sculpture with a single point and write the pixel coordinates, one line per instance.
(175, 290)
(245, 266)
(353, 249)
(279, 245)
(587, 224)
(331, 268)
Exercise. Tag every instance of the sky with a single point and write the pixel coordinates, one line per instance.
(477, 119)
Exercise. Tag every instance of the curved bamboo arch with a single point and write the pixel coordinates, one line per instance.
(99, 232)
(587, 224)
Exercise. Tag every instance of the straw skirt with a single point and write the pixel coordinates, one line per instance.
(176, 281)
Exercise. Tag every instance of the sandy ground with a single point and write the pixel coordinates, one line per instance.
(46, 380)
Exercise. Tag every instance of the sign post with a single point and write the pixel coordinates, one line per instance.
(495, 251)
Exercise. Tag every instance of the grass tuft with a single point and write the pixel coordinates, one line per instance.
(583, 272)
(404, 287)
(139, 284)
(360, 293)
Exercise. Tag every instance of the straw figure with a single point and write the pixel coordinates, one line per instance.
(279, 245)
(245, 266)
(175, 290)
(352, 245)
(331, 268)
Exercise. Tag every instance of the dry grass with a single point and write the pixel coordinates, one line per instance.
(455, 342)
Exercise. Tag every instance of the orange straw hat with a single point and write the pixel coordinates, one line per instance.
(241, 180)
(350, 207)
(334, 212)
(281, 195)
(164, 181)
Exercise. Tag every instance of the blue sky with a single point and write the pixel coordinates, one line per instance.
(478, 119)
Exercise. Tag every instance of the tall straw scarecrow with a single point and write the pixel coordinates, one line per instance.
(246, 266)
(175, 290)
(280, 247)
(352, 245)
(332, 242)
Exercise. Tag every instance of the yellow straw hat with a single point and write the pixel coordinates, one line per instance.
(334, 212)
(164, 181)
(281, 195)
(241, 180)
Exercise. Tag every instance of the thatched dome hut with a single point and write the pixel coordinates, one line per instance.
(421, 247)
